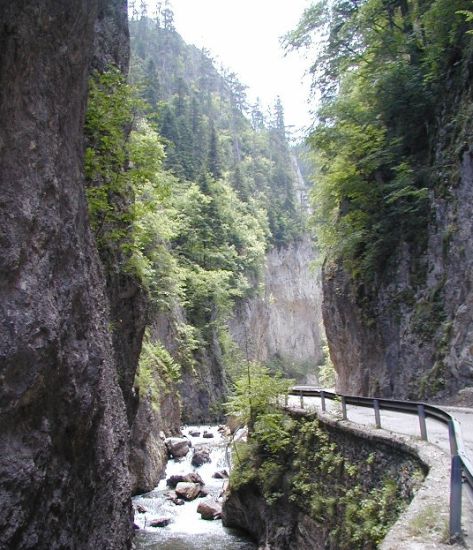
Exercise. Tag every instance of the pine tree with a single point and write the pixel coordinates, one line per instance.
(214, 158)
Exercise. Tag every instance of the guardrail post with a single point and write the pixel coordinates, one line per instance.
(322, 400)
(422, 424)
(452, 438)
(302, 400)
(455, 527)
(377, 416)
(344, 408)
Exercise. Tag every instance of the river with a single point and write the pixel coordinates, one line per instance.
(187, 531)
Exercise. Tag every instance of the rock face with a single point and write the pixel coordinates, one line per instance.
(205, 387)
(155, 419)
(63, 430)
(280, 527)
(416, 338)
(148, 453)
(126, 296)
(285, 322)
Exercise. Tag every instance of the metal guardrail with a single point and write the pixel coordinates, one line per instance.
(461, 466)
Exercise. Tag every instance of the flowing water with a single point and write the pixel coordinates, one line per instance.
(187, 531)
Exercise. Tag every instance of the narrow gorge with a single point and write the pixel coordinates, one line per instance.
(173, 260)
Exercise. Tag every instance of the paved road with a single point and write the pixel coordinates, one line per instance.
(399, 422)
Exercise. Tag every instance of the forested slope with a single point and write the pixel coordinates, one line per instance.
(229, 196)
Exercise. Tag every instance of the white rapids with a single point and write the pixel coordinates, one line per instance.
(187, 531)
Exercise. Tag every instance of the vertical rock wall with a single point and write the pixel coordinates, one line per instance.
(127, 298)
(63, 431)
(415, 338)
(204, 388)
(284, 321)
(157, 414)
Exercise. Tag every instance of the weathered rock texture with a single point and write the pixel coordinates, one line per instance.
(63, 431)
(204, 389)
(127, 298)
(285, 321)
(286, 525)
(148, 454)
(156, 416)
(412, 336)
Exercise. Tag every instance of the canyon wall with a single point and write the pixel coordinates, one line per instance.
(411, 335)
(158, 409)
(284, 320)
(63, 429)
(128, 301)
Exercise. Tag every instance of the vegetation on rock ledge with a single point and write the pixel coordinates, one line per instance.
(379, 67)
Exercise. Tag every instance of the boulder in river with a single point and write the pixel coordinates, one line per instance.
(194, 433)
(208, 435)
(209, 509)
(160, 522)
(220, 474)
(141, 509)
(188, 491)
(192, 477)
(177, 447)
(172, 496)
(201, 456)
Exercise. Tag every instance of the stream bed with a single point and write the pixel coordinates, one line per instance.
(187, 531)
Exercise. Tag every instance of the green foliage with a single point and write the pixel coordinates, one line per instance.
(255, 401)
(110, 112)
(326, 371)
(379, 67)
(301, 461)
(124, 170)
(256, 395)
(157, 370)
(201, 116)
(181, 186)
(353, 513)
(232, 187)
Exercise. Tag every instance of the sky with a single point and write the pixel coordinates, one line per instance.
(244, 36)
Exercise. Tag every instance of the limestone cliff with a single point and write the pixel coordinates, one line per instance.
(411, 336)
(205, 387)
(63, 430)
(158, 412)
(284, 321)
